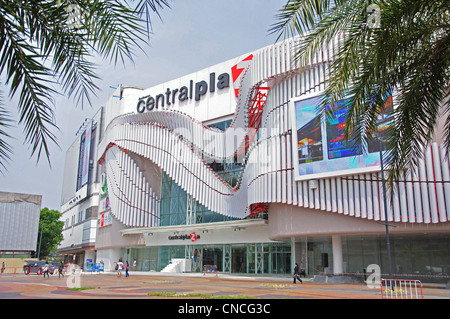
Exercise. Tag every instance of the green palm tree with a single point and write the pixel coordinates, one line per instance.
(47, 48)
(398, 47)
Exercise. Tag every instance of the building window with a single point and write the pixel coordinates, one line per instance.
(91, 212)
(174, 206)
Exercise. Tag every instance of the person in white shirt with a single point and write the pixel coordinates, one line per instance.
(119, 268)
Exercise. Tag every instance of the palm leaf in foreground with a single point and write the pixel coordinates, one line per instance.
(408, 56)
(43, 53)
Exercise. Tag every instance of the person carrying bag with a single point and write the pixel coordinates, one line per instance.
(296, 274)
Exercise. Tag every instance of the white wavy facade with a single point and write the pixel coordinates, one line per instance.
(183, 146)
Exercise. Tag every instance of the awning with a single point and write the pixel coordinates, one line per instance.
(238, 225)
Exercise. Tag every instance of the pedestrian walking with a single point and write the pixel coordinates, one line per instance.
(195, 254)
(296, 274)
(127, 268)
(134, 265)
(46, 269)
(3, 267)
(60, 269)
(119, 268)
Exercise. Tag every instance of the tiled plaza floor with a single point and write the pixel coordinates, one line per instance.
(139, 285)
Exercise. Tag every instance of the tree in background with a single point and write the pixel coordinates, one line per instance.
(47, 48)
(51, 229)
(398, 47)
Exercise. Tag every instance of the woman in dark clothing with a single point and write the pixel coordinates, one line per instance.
(61, 270)
(296, 274)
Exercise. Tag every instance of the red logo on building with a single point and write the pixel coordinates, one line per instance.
(193, 236)
(236, 72)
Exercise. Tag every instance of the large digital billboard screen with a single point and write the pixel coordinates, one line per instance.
(84, 157)
(319, 145)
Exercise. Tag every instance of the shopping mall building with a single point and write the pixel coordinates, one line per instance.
(234, 161)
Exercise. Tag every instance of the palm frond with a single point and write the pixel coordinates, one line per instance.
(144, 8)
(24, 71)
(36, 33)
(5, 148)
(301, 16)
(408, 57)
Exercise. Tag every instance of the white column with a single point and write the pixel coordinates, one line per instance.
(293, 255)
(337, 254)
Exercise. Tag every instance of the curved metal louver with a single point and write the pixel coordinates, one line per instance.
(132, 200)
(181, 146)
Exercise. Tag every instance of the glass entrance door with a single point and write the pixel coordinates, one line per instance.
(239, 259)
(212, 255)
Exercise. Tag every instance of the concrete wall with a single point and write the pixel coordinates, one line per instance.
(19, 221)
(14, 265)
(291, 221)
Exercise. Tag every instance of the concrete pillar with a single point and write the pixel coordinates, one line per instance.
(338, 260)
(293, 254)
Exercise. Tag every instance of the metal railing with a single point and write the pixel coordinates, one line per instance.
(401, 289)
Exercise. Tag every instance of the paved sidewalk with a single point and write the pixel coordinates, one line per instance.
(165, 285)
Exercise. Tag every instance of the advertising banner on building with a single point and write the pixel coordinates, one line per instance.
(104, 219)
(84, 157)
(319, 144)
(104, 208)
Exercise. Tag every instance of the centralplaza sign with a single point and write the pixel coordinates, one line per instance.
(192, 236)
(229, 232)
(149, 103)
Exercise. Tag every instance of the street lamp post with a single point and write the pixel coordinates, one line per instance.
(40, 241)
(388, 243)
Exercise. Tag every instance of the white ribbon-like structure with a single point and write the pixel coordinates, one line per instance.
(182, 147)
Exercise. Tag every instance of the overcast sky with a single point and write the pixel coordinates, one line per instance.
(193, 35)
